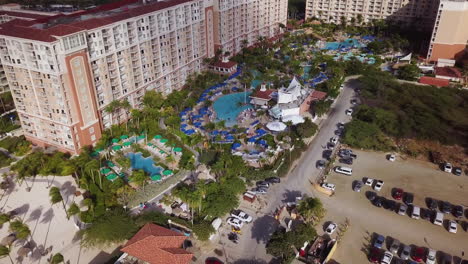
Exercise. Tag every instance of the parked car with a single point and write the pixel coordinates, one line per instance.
(352, 155)
(431, 203)
(418, 254)
(397, 193)
(458, 211)
(348, 161)
(349, 111)
(235, 222)
(213, 261)
(448, 167)
(260, 190)
(369, 181)
(387, 258)
(431, 256)
(405, 252)
(328, 186)
(426, 214)
(395, 246)
(378, 185)
(357, 186)
(353, 101)
(334, 140)
(331, 228)
(345, 152)
(445, 207)
(403, 209)
(452, 226)
(378, 201)
(446, 259)
(262, 184)
(339, 132)
(371, 195)
(375, 255)
(408, 198)
(320, 164)
(391, 157)
(457, 171)
(331, 145)
(241, 215)
(273, 180)
(379, 241)
(326, 154)
(340, 125)
(389, 204)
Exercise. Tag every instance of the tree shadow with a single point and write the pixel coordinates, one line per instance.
(48, 216)
(68, 189)
(35, 214)
(290, 196)
(103, 257)
(263, 227)
(22, 210)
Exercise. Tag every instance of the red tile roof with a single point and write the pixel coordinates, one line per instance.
(434, 81)
(451, 72)
(158, 245)
(28, 32)
(226, 65)
(266, 95)
(23, 14)
(318, 95)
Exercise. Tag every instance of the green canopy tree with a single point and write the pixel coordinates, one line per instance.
(311, 209)
(56, 197)
(56, 259)
(21, 229)
(5, 252)
(73, 209)
(409, 72)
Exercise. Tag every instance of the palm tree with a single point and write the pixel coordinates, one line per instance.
(21, 230)
(73, 209)
(92, 167)
(4, 218)
(126, 106)
(311, 209)
(56, 259)
(359, 19)
(5, 252)
(111, 109)
(56, 197)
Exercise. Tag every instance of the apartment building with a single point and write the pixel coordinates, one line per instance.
(64, 70)
(414, 13)
(449, 37)
(9, 12)
(239, 23)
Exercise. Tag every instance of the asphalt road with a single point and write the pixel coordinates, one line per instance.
(251, 246)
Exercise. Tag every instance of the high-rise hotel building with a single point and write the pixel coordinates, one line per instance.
(64, 70)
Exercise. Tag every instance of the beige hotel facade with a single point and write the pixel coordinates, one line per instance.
(64, 70)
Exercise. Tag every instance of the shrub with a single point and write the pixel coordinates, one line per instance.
(203, 230)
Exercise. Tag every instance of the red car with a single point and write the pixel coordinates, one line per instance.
(375, 255)
(213, 261)
(419, 254)
(398, 194)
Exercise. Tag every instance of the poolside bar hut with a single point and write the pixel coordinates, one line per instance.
(117, 147)
(124, 137)
(112, 177)
(155, 177)
(167, 173)
(115, 140)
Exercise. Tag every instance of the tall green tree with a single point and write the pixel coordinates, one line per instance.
(21, 229)
(5, 252)
(56, 197)
(311, 209)
(56, 259)
(73, 209)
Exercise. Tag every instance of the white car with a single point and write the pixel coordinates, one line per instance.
(387, 258)
(369, 181)
(452, 226)
(349, 111)
(241, 215)
(392, 157)
(431, 256)
(328, 186)
(259, 190)
(334, 140)
(378, 185)
(235, 222)
(448, 167)
(331, 228)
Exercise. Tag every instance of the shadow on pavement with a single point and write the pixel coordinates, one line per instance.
(250, 261)
(290, 196)
(263, 227)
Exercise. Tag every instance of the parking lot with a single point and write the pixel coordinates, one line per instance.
(423, 179)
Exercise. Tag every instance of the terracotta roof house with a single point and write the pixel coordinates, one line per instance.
(434, 81)
(224, 67)
(154, 244)
(263, 96)
(449, 73)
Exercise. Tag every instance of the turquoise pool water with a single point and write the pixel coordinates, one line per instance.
(345, 44)
(306, 72)
(255, 83)
(227, 107)
(146, 164)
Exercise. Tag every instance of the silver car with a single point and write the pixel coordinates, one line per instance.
(402, 210)
(405, 252)
(395, 246)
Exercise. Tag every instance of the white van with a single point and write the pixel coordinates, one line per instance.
(439, 218)
(416, 212)
(344, 170)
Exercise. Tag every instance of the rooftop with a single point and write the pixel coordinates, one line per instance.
(47, 28)
(226, 65)
(266, 95)
(434, 81)
(451, 72)
(158, 245)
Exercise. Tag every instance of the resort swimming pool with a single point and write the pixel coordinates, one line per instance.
(228, 107)
(342, 45)
(146, 164)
